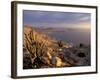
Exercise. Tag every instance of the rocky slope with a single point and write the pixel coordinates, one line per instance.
(41, 51)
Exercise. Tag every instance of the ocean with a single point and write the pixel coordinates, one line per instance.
(73, 36)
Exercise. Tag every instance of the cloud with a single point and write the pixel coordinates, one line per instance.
(53, 18)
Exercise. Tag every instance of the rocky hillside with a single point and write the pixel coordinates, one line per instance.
(41, 51)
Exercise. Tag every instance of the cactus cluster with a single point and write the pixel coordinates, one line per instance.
(35, 48)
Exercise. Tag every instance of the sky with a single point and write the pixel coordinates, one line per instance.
(56, 19)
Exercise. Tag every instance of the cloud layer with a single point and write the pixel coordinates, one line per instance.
(56, 19)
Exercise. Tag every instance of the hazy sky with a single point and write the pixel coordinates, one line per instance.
(57, 19)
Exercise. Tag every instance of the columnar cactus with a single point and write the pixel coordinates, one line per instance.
(35, 48)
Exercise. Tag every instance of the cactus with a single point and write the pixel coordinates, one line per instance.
(35, 48)
(60, 44)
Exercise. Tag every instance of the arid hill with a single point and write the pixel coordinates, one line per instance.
(41, 51)
(40, 45)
